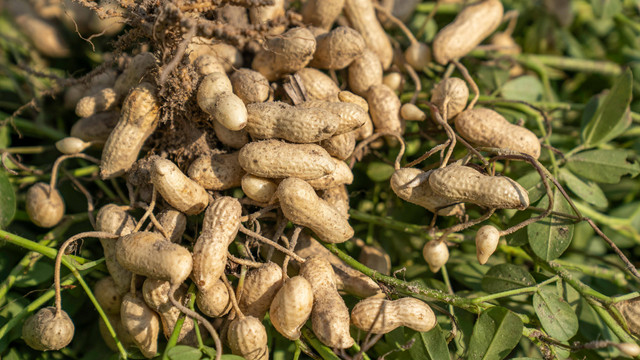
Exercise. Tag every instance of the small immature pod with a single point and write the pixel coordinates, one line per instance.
(462, 183)
(216, 98)
(301, 205)
(96, 128)
(384, 106)
(103, 100)
(260, 287)
(364, 72)
(457, 93)
(134, 73)
(285, 54)
(277, 159)
(108, 295)
(217, 172)
(486, 127)
(149, 254)
(412, 185)
(631, 350)
(259, 189)
(248, 338)
(45, 207)
(381, 316)
(174, 223)
(340, 176)
(291, 307)
(214, 300)
(337, 48)
(250, 86)
(113, 219)
(362, 17)
(393, 80)
(341, 146)
(338, 197)
(411, 112)
(141, 323)
(351, 116)
(230, 138)
(48, 330)
(472, 25)
(98, 82)
(177, 189)
(418, 55)
(317, 85)
(71, 145)
(156, 296)
(436, 254)
(322, 13)
(487, 239)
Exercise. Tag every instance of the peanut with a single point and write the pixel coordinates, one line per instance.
(487, 239)
(103, 100)
(141, 323)
(156, 296)
(264, 14)
(108, 295)
(384, 106)
(393, 80)
(121, 332)
(418, 55)
(259, 189)
(216, 98)
(291, 307)
(436, 254)
(48, 330)
(134, 73)
(248, 338)
(233, 139)
(114, 220)
(228, 56)
(45, 207)
(410, 112)
(250, 86)
(340, 176)
(184, 194)
(317, 85)
(381, 316)
(366, 129)
(374, 258)
(260, 287)
(364, 72)
(412, 185)
(71, 145)
(214, 300)
(341, 146)
(337, 48)
(208, 64)
(322, 13)
(455, 90)
(95, 128)
(338, 197)
(362, 17)
(285, 54)
(174, 223)
(98, 82)
(630, 311)
(217, 172)
(44, 36)
(351, 116)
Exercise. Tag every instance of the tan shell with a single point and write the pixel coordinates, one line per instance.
(134, 73)
(412, 185)
(375, 258)
(121, 332)
(342, 175)
(457, 92)
(141, 323)
(263, 14)
(487, 239)
(250, 86)
(174, 223)
(362, 17)
(48, 330)
(184, 194)
(410, 112)
(337, 48)
(384, 106)
(71, 145)
(114, 220)
(317, 85)
(436, 254)
(217, 172)
(322, 13)
(104, 100)
(107, 295)
(291, 307)
(216, 98)
(259, 189)
(44, 36)
(381, 316)
(260, 287)
(44, 207)
(351, 116)
(98, 82)
(630, 311)
(393, 80)
(96, 128)
(214, 300)
(418, 55)
(156, 296)
(338, 197)
(364, 72)
(231, 138)
(285, 54)
(228, 56)
(248, 338)
(341, 146)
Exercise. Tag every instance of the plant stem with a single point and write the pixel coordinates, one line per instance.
(34, 246)
(80, 172)
(507, 293)
(175, 334)
(324, 351)
(31, 128)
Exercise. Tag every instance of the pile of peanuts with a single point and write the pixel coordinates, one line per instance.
(284, 129)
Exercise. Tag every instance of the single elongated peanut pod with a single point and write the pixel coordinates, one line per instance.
(317, 85)
(141, 323)
(277, 159)
(341, 146)
(285, 54)
(384, 106)
(45, 207)
(96, 128)
(337, 48)
(156, 296)
(291, 307)
(472, 25)
(376, 259)
(381, 316)
(296, 124)
(248, 338)
(411, 112)
(48, 329)
(260, 287)
(250, 86)
(134, 73)
(322, 13)
(301, 205)
(338, 197)
(71, 145)
(487, 239)
(436, 254)
(114, 220)
(233, 139)
(456, 92)
(214, 300)
(366, 129)
(486, 127)
(45, 37)
(138, 120)
(217, 172)
(177, 189)
(174, 223)
(216, 98)
(393, 80)
(149, 254)
(362, 17)
(330, 316)
(462, 183)
(365, 72)
(412, 185)
(258, 188)
(208, 64)
(108, 295)
(340, 176)
(104, 100)
(351, 116)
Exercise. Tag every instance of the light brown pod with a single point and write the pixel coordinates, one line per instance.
(48, 330)
(630, 311)
(277, 159)
(410, 112)
(233, 139)
(138, 119)
(295, 124)
(45, 207)
(487, 239)
(214, 300)
(208, 64)
(228, 56)
(505, 44)
(337, 48)
(436, 254)
(393, 80)
(375, 258)
(123, 335)
(71, 145)
(259, 189)
(149, 254)
(96, 128)
(114, 220)
(363, 131)
(364, 72)
(265, 14)
(486, 127)
(342, 175)
(341, 146)
(453, 89)
(418, 55)
(472, 25)
(156, 296)
(217, 172)
(108, 295)
(216, 98)
(285, 54)
(174, 223)
(103, 100)
(141, 323)
(260, 287)
(322, 13)
(44, 36)
(631, 350)
(184, 194)
(381, 316)
(291, 307)
(412, 185)
(338, 197)
(362, 17)
(250, 86)
(384, 106)
(330, 316)
(248, 338)
(134, 73)
(462, 183)
(351, 116)
(301, 205)
(317, 85)
(98, 82)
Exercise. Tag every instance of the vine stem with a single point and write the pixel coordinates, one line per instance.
(56, 165)
(520, 291)
(175, 334)
(263, 239)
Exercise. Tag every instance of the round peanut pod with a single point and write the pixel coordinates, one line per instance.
(472, 25)
(214, 300)
(362, 17)
(98, 82)
(108, 295)
(381, 316)
(264, 14)
(329, 316)
(462, 183)
(48, 330)
(342, 175)
(486, 127)
(123, 335)
(364, 72)
(295, 124)
(217, 172)
(149, 254)
(248, 338)
(139, 118)
(260, 287)
(103, 100)
(351, 116)
(487, 239)
(259, 189)
(410, 112)
(174, 223)
(291, 307)
(317, 85)
(141, 323)
(301, 205)
(436, 254)
(184, 194)
(132, 74)
(96, 128)
(505, 44)
(457, 93)
(208, 64)
(340, 146)
(156, 296)
(337, 48)
(114, 220)
(418, 55)
(338, 197)
(412, 185)
(44, 36)
(250, 86)
(321, 13)
(384, 106)
(277, 159)
(376, 259)
(631, 350)
(285, 54)
(393, 80)
(216, 98)
(233, 139)
(45, 207)
(227, 56)
(71, 145)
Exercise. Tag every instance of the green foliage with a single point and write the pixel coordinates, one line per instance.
(495, 334)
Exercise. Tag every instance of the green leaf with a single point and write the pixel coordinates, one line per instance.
(506, 277)
(379, 171)
(587, 190)
(7, 200)
(556, 316)
(430, 345)
(470, 274)
(526, 88)
(183, 352)
(551, 236)
(5, 137)
(519, 237)
(37, 274)
(603, 166)
(610, 111)
(534, 186)
(496, 333)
